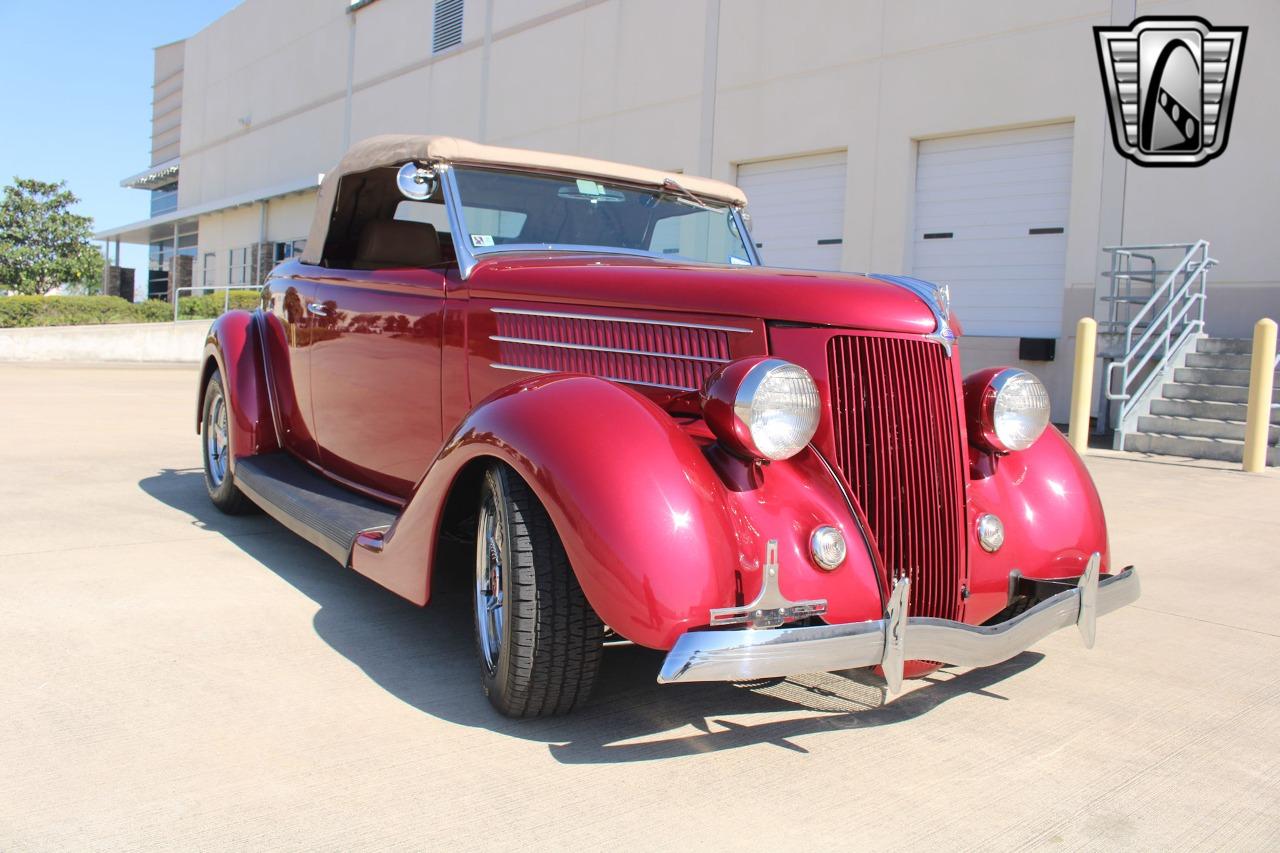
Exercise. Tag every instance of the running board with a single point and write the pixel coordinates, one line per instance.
(320, 511)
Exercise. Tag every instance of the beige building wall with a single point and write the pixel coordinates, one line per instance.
(274, 91)
(166, 102)
(264, 96)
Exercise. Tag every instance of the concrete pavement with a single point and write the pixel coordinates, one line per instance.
(177, 679)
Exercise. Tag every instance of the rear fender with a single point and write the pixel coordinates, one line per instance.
(1052, 518)
(233, 347)
(655, 535)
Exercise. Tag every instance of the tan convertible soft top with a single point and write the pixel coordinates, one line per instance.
(397, 149)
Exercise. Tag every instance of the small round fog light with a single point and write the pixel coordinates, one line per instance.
(827, 546)
(990, 532)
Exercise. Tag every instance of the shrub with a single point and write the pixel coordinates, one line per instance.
(199, 307)
(23, 311)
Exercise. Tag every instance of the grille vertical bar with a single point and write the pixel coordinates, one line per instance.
(898, 441)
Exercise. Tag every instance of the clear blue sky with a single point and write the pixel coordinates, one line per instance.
(77, 103)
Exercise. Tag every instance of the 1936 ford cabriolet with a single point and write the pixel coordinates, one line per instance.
(580, 373)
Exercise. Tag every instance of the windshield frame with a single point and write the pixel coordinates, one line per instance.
(469, 256)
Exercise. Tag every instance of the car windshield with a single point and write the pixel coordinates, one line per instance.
(508, 211)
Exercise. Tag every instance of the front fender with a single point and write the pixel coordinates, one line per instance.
(1052, 516)
(234, 348)
(655, 536)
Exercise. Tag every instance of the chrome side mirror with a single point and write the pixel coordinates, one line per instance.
(417, 182)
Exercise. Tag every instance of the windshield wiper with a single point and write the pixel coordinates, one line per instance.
(673, 184)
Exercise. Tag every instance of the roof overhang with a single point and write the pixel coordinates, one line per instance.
(156, 176)
(158, 226)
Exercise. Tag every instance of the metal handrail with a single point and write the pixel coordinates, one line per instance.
(1130, 347)
(1129, 249)
(225, 288)
(1275, 365)
(1168, 319)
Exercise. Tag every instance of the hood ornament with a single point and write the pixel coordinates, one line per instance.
(938, 299)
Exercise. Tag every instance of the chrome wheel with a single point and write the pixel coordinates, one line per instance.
(488, 597)
(216, 445)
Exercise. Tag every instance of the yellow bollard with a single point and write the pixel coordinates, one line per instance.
(1082, 383)
(1261, 379)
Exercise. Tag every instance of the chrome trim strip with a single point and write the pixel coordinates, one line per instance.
(747, 654)
(568, 316)
(857, 520)
(498, 366)
(589, 348)
(746, 237)
(457, 224)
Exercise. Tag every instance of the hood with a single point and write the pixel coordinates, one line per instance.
(843, 300)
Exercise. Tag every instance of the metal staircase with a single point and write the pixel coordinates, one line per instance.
(1201, 413)
(1169, 388)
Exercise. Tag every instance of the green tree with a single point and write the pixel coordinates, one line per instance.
(42, 243)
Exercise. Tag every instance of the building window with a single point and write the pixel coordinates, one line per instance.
(209, 272)
(161, 258)
(448, 25)
(164, 261)
(240, 267)
(289, 249)
(164, 199)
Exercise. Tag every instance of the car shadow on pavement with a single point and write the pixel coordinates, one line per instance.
(426, 658)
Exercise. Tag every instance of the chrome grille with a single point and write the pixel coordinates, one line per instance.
(898, 441)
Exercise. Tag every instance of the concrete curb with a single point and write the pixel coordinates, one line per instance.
(128, 342)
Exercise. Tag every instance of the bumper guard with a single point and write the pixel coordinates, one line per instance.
(897, 638)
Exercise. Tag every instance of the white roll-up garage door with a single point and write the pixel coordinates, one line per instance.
(797, 209)
(990, 222)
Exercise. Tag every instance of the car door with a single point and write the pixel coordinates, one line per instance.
(289, 299)
(375, 376)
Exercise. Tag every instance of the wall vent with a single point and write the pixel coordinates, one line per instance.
(448, 25)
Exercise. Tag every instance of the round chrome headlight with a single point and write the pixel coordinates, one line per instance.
(763, 408)
(1008, 408)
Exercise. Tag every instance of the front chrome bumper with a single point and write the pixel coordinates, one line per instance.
(897, 638)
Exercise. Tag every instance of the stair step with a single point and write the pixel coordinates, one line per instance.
(1194, 448)
(320, 511)
(1235, 346)
(1229, 361)
(1205, 409)
(1212, 376)
(1136, 300)
(1199, 428)
(1213, 393)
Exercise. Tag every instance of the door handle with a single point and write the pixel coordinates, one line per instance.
(318, 309)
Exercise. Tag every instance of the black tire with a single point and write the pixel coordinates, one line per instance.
(219, 480)
(550, 640)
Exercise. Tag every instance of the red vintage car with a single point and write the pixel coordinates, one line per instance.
(573, 385)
